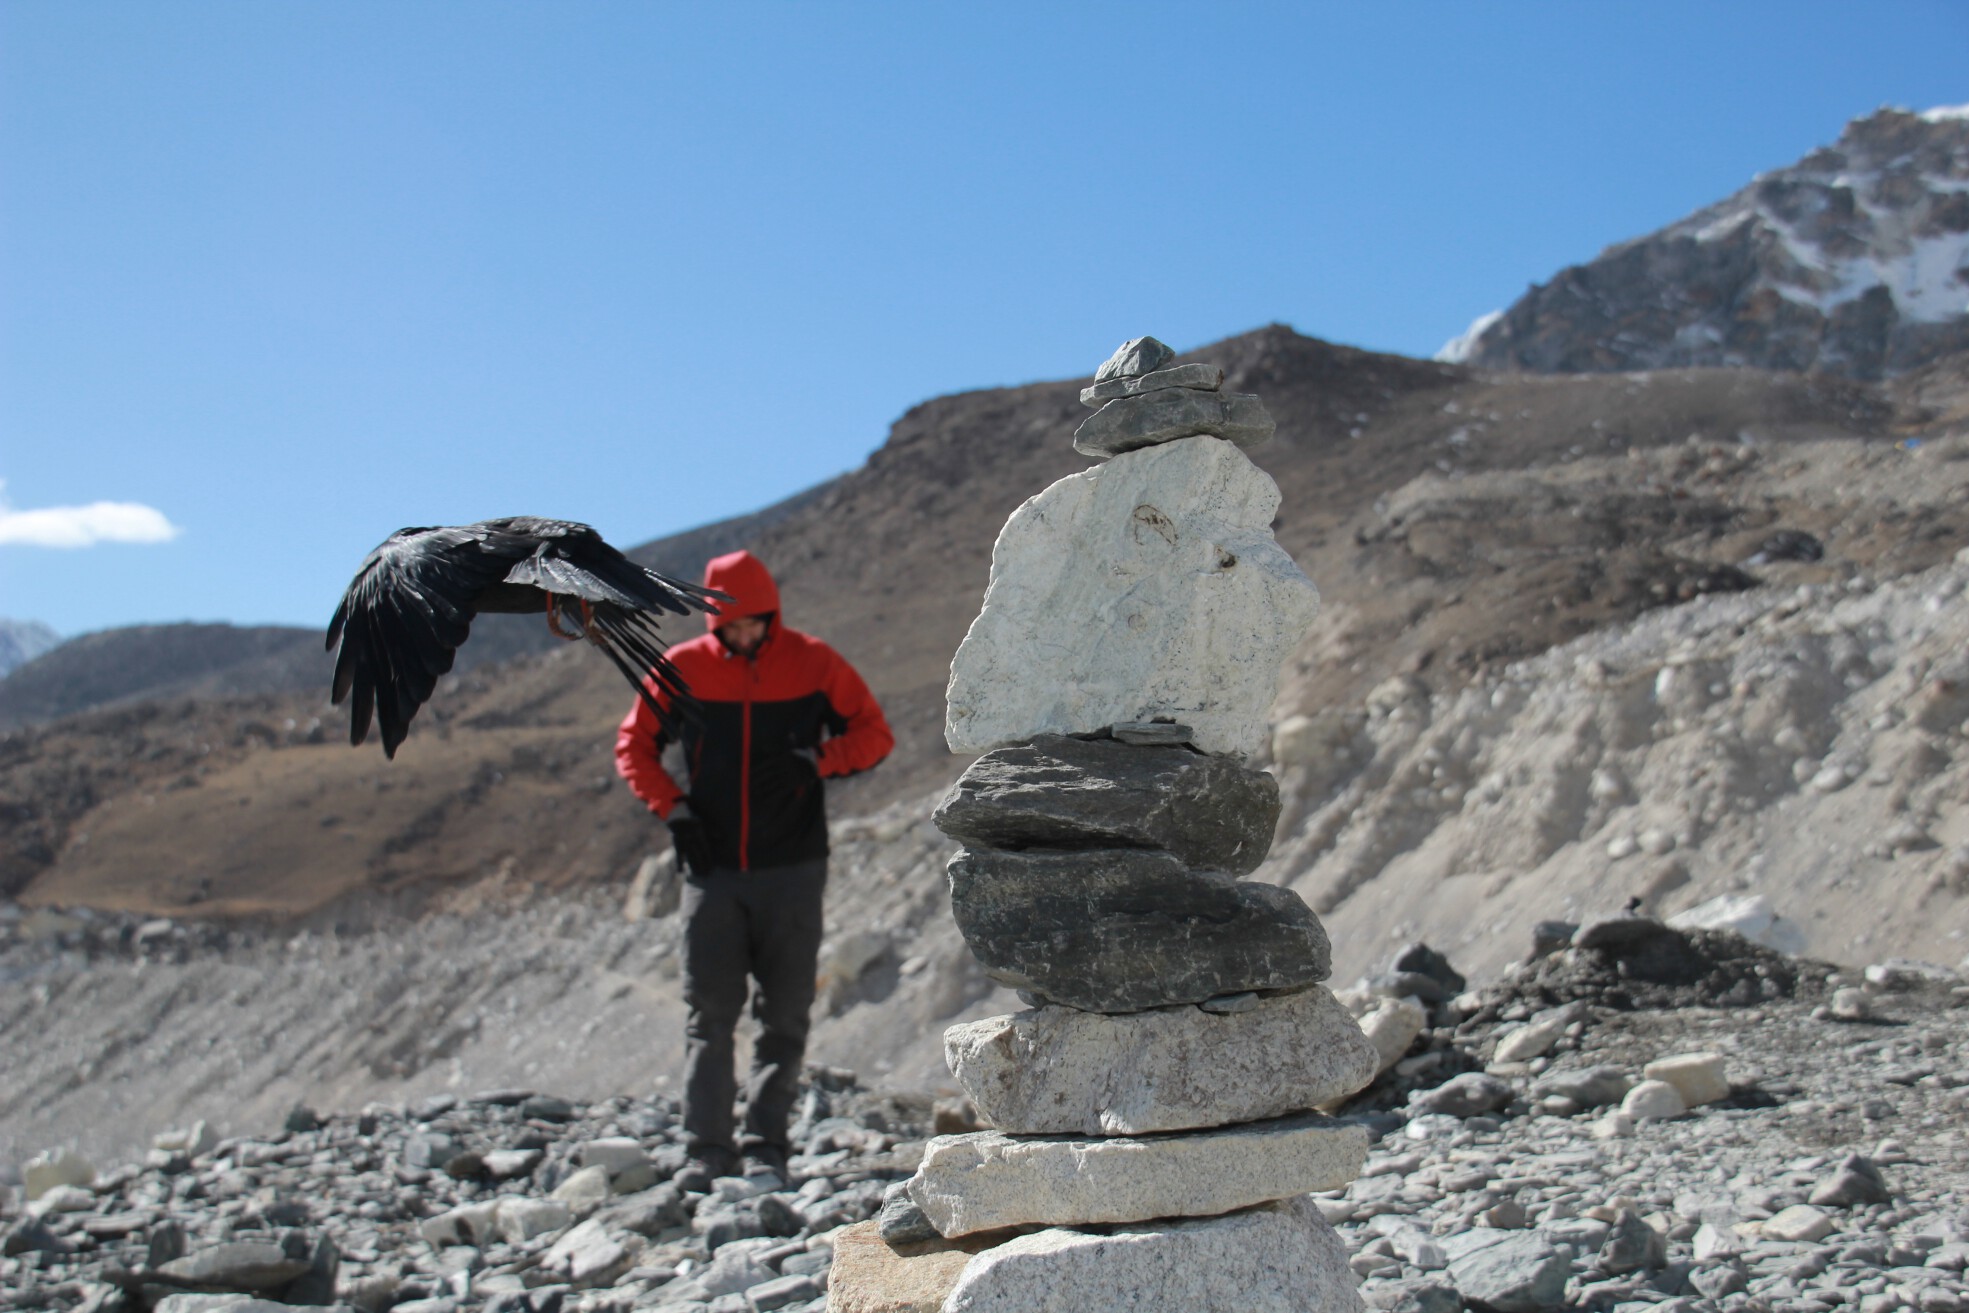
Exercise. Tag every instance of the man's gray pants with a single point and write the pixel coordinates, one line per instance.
(766, 924)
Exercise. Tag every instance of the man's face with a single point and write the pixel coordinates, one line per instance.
(744, 635)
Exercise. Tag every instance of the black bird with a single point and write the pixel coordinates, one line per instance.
(411, 605)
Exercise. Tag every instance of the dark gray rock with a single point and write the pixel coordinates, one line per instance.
(1207, 378)
(1594, 1088)
(1855, 1181)
(1631, 1245)
(648, 1213)
(1120, 930)
(546, 1108)
(1468, 1095)
(1209, 812)
(1135, 357)
(1550, 936)
(902, 1221)
(719, 1224)
(316, 1286)
(1518, 1275)
(1406, 984)
(301, 1119)
(31, 1235)
(1420, 959)
(1419, 1296)
(434, 1107)
(1157, 417)
(165, 1242)
(503, 1098)
(1619, 932)
(781, 1292)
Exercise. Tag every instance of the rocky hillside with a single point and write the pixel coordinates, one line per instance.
(217, 807)
(1853, 261)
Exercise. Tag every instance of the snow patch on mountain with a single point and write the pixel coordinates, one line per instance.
(1854, 260)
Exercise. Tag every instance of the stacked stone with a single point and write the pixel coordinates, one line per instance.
(1153, 1108)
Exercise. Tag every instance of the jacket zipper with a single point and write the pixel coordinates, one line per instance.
(745, 771)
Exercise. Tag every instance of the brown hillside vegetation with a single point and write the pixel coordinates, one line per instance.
(1431, 503)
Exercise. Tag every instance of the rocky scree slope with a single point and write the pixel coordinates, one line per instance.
(1853, 261)
(1539, 1145)
(1805, 742)
(117, 1027)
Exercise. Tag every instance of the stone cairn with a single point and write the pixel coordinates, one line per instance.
(1154, 1138)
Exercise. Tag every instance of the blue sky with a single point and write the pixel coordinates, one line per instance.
(276, 279)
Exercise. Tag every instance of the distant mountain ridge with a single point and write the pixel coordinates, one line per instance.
(50, 679)
(1853, 261)
(23, 640)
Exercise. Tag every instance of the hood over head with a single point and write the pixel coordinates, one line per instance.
(745, 577)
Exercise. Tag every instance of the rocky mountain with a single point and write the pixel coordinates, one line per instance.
(1853, 261)
(23, 640)
(138, 662)
(194, 805)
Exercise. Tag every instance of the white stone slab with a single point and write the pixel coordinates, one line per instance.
(1277, 1258)
(1148, 586)
(1056, 1071)
(987, 1179)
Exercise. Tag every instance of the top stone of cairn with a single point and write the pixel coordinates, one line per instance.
(1133, 358)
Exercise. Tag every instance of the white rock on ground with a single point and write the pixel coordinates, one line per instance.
(1532, 1040)
(1750, 915)
(1391, 1027)
(62, 1166)
(1180, 602)
(1056, 1071)
(1653, 1100)
(1279, 1258)
(1698, 1077)
(987, 1179)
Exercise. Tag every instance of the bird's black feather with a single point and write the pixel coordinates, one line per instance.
(411, 605)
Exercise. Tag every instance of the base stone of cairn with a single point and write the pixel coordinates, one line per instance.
(1278, 1258)
(1153, 1111)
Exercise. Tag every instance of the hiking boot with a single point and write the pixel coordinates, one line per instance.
(704, 1167)
(765, 1160)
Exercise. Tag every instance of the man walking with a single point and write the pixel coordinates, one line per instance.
(778, 711)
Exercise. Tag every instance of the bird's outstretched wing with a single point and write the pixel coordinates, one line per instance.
(413, 600)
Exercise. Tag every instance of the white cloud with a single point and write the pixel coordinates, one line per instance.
(83, 526)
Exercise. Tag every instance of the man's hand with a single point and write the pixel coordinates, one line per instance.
(688, 838)
(789, 772)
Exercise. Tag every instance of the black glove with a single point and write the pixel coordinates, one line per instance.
(687, 836)
(790, 774)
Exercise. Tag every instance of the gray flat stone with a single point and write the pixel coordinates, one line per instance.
(1154, 418)
(1204, 378)
(1120, 930)
(1058, 1071)
(1135, 357)
(1211, 813)
(1277, 1258)
(1516, 1275)
(988, 1180)
(245, 1265)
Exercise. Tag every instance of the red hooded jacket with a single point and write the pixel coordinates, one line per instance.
(758, 797)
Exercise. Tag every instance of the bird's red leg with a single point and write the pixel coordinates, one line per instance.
(554, 620)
